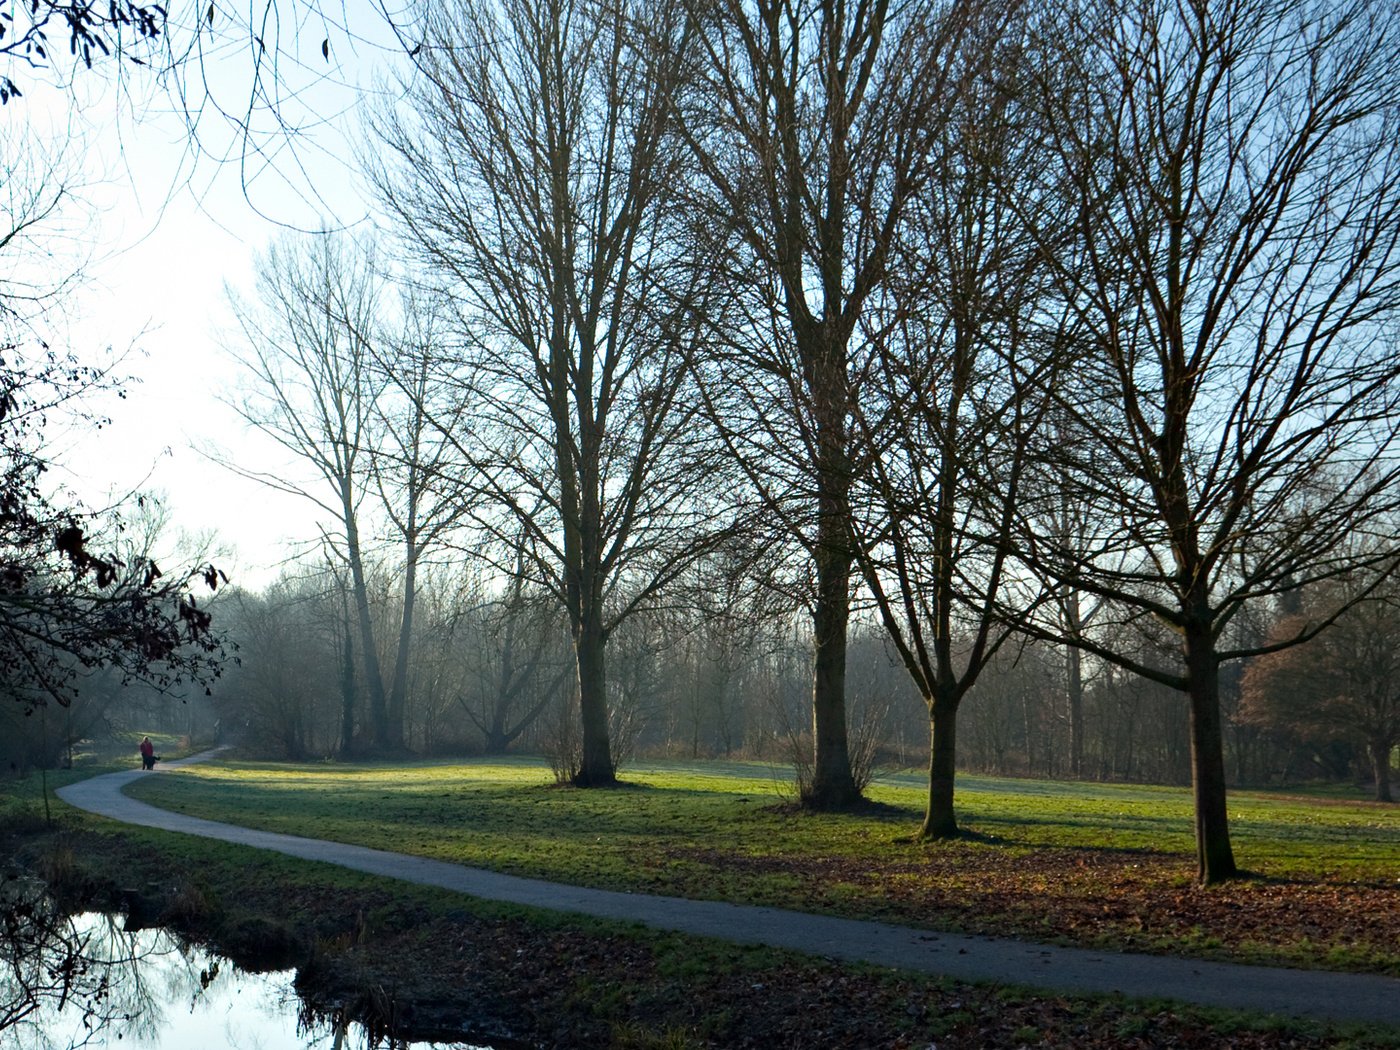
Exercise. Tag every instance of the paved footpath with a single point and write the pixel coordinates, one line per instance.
(1300, 993)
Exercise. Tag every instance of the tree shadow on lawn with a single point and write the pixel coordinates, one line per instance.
(883, 812)
(1031, 847)
(1167, 828)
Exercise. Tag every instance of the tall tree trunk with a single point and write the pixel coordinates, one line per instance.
(369, 651)
(1074, 674)
(695, 717)
(1215, 859)
(833, 786)
(347, 691)
(940, 822)
(1028, 720)
(596, 768)
(1380, 761)
(398, 694)
(497, 739)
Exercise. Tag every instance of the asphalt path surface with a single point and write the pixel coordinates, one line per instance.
(1313, 994)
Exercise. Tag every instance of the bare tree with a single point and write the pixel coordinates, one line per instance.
(517, 668)
(415, 470)
(963, 363)
(733, 611)
(532, 168)
(284, 695)
(1235, 168)
(810, 120)
(340, 626)
(1075, 618)
(307, 346)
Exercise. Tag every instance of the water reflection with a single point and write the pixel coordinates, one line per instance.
(86, 981)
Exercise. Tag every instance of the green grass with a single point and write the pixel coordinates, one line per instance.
(1087, 863)
(506, 815)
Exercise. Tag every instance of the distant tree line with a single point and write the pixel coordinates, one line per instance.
(497, 680)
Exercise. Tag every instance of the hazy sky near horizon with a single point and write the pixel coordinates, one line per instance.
(160, 230)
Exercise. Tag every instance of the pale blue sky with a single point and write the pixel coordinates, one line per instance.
(163, 231)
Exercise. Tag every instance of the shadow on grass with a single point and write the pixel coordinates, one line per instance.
(885, 812)
(963, 835)
(603, 788)
(618, 786)
(976, 836)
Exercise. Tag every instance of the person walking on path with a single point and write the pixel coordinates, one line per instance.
(148, 753)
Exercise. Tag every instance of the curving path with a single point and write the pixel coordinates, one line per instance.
(1300, 993)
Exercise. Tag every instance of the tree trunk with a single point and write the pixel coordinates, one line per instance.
(398, 694)
(596, 767)
(939, 820)
(1074, 673)
(832, 786)
(1076, 714)
(374, 680)
(695, 717)
(1215, 860)
(347, 692)
(497, 737)
(1380, 760)
(1028, 720)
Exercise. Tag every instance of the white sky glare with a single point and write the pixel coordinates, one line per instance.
(164, 229)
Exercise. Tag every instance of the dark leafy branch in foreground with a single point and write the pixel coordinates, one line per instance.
(93, 28)
(68, 605)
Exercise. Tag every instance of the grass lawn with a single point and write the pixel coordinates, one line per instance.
(1106, 865)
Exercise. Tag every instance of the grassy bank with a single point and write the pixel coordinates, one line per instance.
(438, 965)
(1083, 863)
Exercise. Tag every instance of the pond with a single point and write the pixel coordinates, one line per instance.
(88, 981)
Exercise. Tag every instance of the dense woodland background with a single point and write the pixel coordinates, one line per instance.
(497, 678)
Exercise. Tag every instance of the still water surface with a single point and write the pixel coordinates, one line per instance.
(149, 991)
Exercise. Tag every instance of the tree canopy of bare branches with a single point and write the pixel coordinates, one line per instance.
(811, 123)
(1235, 173)
(532, 168)
(964, 354)
(308, 346)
